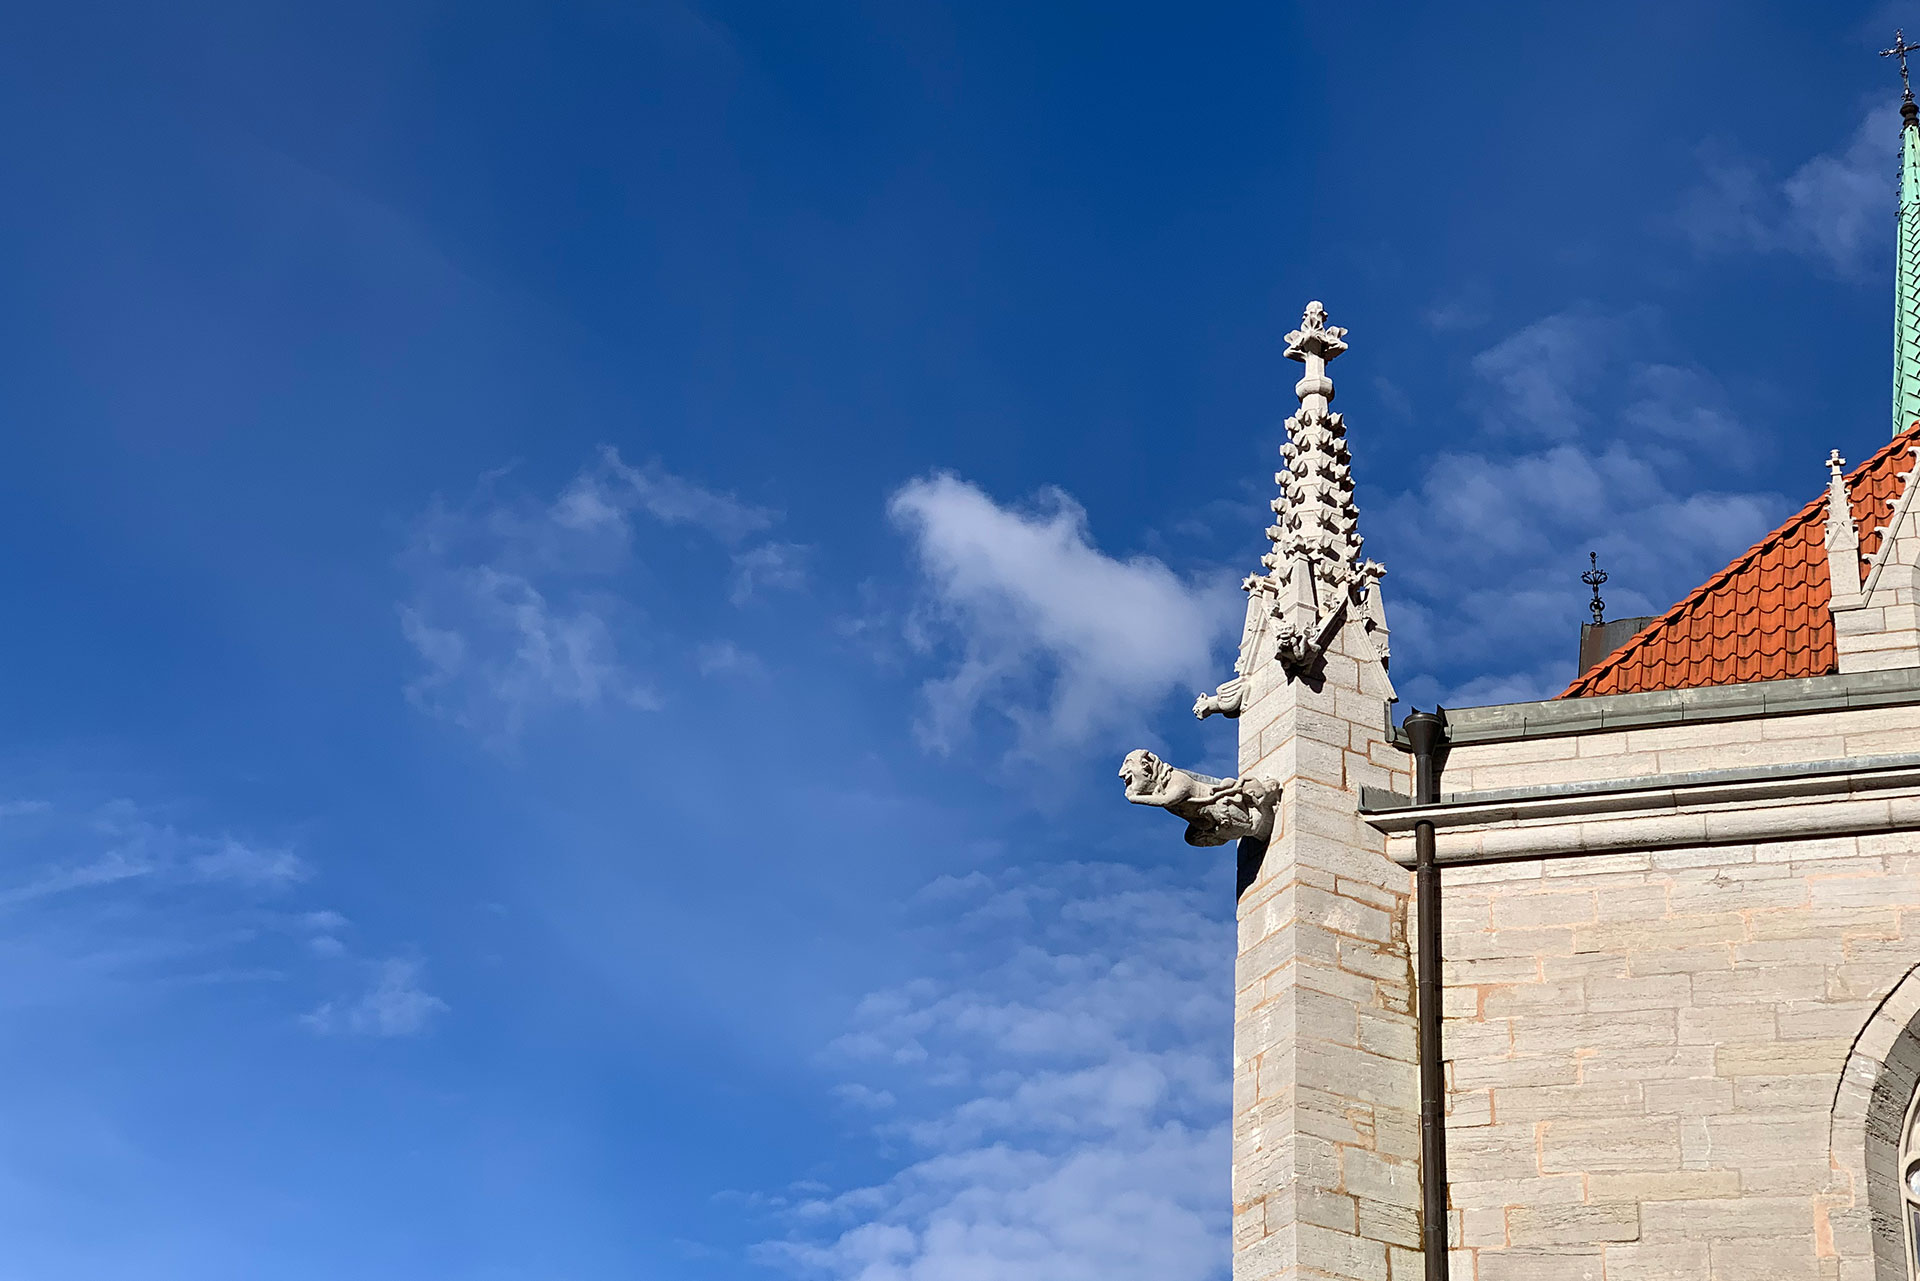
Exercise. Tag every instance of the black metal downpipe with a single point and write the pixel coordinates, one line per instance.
(1427, 731)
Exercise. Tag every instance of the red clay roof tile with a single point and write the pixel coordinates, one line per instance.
(1764, 617)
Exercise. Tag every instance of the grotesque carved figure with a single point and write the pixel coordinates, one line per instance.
(1217, 810)
(1230, 699)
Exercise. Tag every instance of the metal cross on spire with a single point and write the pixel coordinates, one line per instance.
(1900, 50)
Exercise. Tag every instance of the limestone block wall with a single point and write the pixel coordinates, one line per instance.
(1645, 1049)
(1684, 748)
(1326, 1130)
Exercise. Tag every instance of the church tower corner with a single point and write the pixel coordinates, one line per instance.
(1326, 1129)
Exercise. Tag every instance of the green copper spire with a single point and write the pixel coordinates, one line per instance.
(1906, 287)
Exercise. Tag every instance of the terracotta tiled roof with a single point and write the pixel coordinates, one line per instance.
(1764, 617)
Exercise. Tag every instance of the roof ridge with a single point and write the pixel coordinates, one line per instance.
(1587, 679)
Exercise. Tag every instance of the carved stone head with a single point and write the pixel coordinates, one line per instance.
(1140, 769)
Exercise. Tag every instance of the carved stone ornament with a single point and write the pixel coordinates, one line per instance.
(1842, 538)
(1231, 698)
(1315, 576)
(1217, 810)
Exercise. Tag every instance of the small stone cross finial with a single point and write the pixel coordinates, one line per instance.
(1900, 50)
(1835, 462)
(1593, 578)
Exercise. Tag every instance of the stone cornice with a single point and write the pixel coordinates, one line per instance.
(1554, 718)
(1717, 807)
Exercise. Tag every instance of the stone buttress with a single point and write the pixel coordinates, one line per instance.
(1326, 1132)
(1326, 1126)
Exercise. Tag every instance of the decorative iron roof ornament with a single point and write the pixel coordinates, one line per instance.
(1593, 578)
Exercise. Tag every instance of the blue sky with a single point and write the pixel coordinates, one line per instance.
(579, 574)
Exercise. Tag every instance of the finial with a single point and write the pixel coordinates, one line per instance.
(1313, 345)
(1315, 338)
(1842, 538)
(1900, 50)
(1593, 578)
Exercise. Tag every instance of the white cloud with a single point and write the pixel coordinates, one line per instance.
(768, 567)
(393, 1004)
(1064, 1102)
(1837, 208)
(99, 898)
(106, 869)
(508, 651)
(1541, 375)
(1063, 640)
(323, 930)
(514, 610)
(724, 658)
(117, 843)
(604, 495)
(1486, 552)
(1456, 314)
(231, 860)
(866, 1097)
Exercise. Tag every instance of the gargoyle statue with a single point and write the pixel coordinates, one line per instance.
(1217, 810)
(1231, 698)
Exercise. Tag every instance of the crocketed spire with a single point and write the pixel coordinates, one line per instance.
(1318, 524)
(1315, 579)
(1906, 308)
(1315, 563)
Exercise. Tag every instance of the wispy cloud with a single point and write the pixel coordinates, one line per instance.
(1836, 208)
(105, 897)
(1043, 628)
(231, 860)
(393, 1004)
(724, 658)
(60, 852)
(766, 568)
(515, 607)
(498, 649)
(1466, 308)
(1538, 379)
(1583, 447)
(607, 493)
(322, 931)
(1062, 1096)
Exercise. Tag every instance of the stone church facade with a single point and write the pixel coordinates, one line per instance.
(1670, 937)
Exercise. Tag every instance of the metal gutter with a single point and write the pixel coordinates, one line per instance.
(1427, 731)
